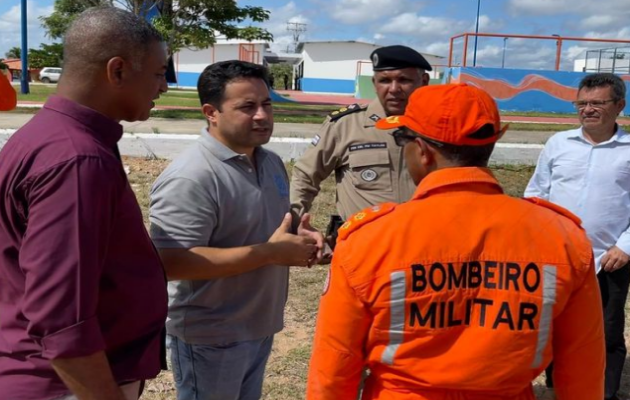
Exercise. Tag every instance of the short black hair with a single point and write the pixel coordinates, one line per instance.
(467, 156)
(214, 78)
(605, 79)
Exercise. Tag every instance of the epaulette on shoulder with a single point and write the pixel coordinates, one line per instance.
(363, 218)
(352, 108)
(556, 208)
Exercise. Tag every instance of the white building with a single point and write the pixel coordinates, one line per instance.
(343, 67)
(331, 67)
(335, 67)
(189, 63)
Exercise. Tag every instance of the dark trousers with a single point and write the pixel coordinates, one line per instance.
(614, 289)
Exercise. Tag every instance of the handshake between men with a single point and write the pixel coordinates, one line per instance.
(302, 249)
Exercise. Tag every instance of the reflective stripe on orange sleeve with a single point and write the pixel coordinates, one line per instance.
(397, 316)
(550, 275)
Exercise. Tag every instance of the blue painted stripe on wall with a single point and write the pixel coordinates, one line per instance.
(345, 86)
(188, 78)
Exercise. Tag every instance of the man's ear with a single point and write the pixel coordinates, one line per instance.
(621, 106)
(425, 153)
(210, 112)
(116, 71)
(425, 79)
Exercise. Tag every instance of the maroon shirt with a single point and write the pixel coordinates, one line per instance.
(78, 272)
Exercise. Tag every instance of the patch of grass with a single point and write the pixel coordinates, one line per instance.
(177, 114)
(279, 116)
(142, 174)
(38, 93)
(176, 101)
(513, 179)
(537, 114)
(297, 119)
(23, 110)
(523, 126)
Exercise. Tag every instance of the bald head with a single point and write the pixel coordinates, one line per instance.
(101, 33)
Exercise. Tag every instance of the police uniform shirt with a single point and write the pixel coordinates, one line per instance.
(369, 166)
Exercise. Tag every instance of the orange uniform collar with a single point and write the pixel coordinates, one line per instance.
(446, 177)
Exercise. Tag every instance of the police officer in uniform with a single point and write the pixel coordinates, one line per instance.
(368, 166)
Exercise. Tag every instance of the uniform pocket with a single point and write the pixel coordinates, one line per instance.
(370, 169)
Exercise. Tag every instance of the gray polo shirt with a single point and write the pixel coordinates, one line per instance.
(211, 196)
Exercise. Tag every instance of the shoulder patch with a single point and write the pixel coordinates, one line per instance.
(364, 217)
(352, 108)
(556, 208)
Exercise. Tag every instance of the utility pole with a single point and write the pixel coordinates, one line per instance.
(476, 34)
(503, 58)
(24, 78)
(296, 29)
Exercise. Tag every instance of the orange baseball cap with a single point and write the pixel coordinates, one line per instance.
(449, 114)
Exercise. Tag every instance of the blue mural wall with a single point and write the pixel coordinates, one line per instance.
(526, 90)
(316, 85)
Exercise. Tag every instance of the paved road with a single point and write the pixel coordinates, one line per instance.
(165, 138)
(188, 126)
(289, 148)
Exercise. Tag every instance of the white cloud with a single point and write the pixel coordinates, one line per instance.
(420, 26)
(485, 24)
(598, 21)
(362, 11)
(600, 14)
(574, 52)
(11, 25)
(438, 48)
(543, 7)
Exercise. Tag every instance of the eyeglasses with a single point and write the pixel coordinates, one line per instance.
(599, 104)
(402, 137)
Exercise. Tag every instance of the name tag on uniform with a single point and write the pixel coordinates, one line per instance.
(366, 146)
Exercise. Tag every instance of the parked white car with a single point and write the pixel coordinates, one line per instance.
(50, 74)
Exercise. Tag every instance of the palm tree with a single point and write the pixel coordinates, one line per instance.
(14, 52)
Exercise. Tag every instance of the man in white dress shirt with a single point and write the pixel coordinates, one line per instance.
(587, 171)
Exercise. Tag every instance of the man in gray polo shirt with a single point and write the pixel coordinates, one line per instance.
(219, 217)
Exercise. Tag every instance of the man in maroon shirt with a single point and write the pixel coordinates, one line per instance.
(82, 291)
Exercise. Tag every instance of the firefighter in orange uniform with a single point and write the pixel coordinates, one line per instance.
(462, 293)
(8, 97)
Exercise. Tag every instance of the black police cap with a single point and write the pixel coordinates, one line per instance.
(397, 57)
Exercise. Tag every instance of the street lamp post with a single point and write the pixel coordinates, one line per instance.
(24, 78)
(503, 58)
(476, 34)
(558, 50)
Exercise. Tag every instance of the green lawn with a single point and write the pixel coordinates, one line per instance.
(283, 112)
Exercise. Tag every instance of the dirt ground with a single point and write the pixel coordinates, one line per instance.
(287, 368)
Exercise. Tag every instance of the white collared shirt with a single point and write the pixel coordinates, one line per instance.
(590, 180)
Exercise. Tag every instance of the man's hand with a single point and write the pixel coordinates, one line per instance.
(327, 253)
(89, 377)
(292, 249)
(614, 259)
(306, 230)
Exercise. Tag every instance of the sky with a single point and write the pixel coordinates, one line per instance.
(426, 25)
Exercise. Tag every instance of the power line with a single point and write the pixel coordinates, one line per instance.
(296, 29)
